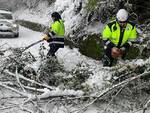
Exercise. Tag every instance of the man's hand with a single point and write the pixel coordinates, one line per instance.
(116, 53)
(45, 37)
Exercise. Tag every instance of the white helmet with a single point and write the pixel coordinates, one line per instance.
(122, 15)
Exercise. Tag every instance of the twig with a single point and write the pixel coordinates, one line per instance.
(113, 98)
(31, 45)
(13, 97)
(146, 105)
(46, 105)
(34, 89)
(25, 109)
(17, 77)
(19, 92)
(4, 108)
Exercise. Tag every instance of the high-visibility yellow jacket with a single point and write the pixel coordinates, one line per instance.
(57, 32)
(58, 28)
(115, 34)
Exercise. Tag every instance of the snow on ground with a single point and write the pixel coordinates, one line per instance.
(72, 57)
(69, 57)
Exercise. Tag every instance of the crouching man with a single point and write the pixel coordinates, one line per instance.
(118, 36)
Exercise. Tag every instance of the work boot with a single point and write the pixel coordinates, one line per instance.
(106, 61)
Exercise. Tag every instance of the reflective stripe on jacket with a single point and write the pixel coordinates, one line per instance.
(112, 32)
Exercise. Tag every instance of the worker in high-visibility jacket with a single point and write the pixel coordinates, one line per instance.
(118, 36)
(55, 35)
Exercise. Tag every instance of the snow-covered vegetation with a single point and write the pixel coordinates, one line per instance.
(72, 83)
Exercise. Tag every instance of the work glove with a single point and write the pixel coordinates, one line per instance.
(45, 37)
(116, 53)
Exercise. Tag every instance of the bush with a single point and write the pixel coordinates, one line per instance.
(92, 46)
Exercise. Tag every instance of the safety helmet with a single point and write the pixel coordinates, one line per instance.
(122, 15)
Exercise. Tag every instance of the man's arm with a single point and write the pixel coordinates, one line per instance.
(106, 35)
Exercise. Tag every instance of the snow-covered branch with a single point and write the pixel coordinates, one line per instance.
(114, 87)
(27, 79)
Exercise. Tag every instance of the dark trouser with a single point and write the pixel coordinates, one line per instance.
(53, 49)
(107, 59)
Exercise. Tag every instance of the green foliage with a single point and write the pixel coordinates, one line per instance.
(92, 46)
(91, 5)
(133, 53)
